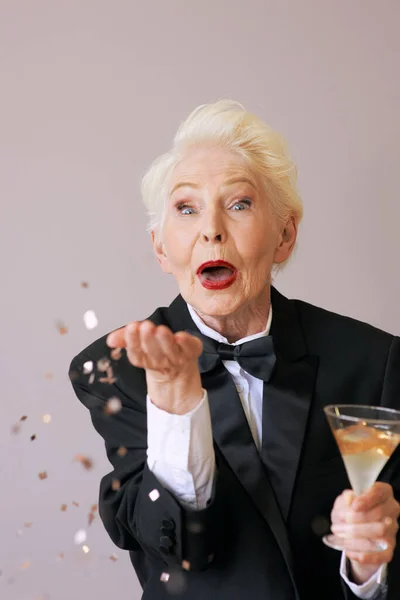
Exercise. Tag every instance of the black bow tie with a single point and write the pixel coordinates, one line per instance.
(256, 357)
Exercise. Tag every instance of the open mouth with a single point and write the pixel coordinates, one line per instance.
(216, 274)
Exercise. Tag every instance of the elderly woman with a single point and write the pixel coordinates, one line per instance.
(225, 472)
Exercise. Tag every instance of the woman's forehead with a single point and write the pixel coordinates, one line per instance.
(203, 165)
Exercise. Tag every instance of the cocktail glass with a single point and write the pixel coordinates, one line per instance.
(366, 437)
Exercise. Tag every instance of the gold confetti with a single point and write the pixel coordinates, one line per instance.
(43, 475)
(85, 461)
(61, 556)
(63, 507)
(103, 364)
(23, 418)
(84, 284)
(115, 485)
(75, 503)
(122, 451)
(116, 353)
(113, 406)
(46, 418)
(62, 329)
(16, 429)
(48, 375)
(113, 557)
(186, 565)
(26, 564)
(28, 525)
(94, 507)
(85, 549)
(33, 437)
(91, 518)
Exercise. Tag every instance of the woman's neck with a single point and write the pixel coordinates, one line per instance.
(249, 320)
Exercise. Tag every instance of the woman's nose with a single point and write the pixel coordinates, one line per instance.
(213, 230)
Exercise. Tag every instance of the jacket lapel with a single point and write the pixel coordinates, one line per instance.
(286, 401)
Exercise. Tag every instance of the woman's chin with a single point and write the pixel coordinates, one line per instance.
(216, 304)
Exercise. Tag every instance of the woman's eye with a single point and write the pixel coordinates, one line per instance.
(242, 204)
(184, 209)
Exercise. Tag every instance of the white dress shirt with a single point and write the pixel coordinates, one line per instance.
(180, 449)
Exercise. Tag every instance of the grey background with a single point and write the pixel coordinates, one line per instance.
(91, 92)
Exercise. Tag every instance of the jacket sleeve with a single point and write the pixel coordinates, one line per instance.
(391, 473)
(136, 510)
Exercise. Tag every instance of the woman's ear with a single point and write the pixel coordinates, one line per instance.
(286, 242)
(159, 251)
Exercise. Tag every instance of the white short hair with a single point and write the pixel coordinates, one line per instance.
(226, 123)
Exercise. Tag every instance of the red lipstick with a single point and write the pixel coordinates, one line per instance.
(216, 274)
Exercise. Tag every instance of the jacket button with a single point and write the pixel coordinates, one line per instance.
(165, 544)
(168, 524)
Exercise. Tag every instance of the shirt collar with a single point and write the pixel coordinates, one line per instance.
(211, 333)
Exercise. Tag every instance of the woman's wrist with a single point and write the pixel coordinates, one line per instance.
(179, 395)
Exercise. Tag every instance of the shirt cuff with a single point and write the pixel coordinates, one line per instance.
(366, 590)
(180, 452)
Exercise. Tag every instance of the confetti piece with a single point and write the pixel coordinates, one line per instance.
(60, 556)
(186, 565)
(164, 577)
(23, 418)
(80, 536)
(48, 375)
(122, 451)
(73, 375)
(43, 475)
(75, 503)
(103, 364)
(113, 557)
(154, 495)
(88, 367)
(113, 406)
(28, 525)
(62, 329)
(85, 549)
(90, 319)
(63, 507)
(33, 437)
(85, 461)
(46, 418)
(115, 485)
(116, 353)
(94, 507)
(91, 378)
(91, 518)
(84, 284)
(26, 564)
(16, 429)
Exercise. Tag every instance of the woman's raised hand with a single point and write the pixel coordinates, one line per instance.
(169, 359)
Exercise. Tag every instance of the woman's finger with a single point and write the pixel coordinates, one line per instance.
(390, 508)
(156, 358)
(377, 530)
(170, 347)
(190, 345)
(116, 339)
(371, 557)
(132, 343)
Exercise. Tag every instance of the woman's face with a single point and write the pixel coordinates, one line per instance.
(219, 238)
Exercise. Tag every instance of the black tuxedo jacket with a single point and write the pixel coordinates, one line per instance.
(260, 535)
